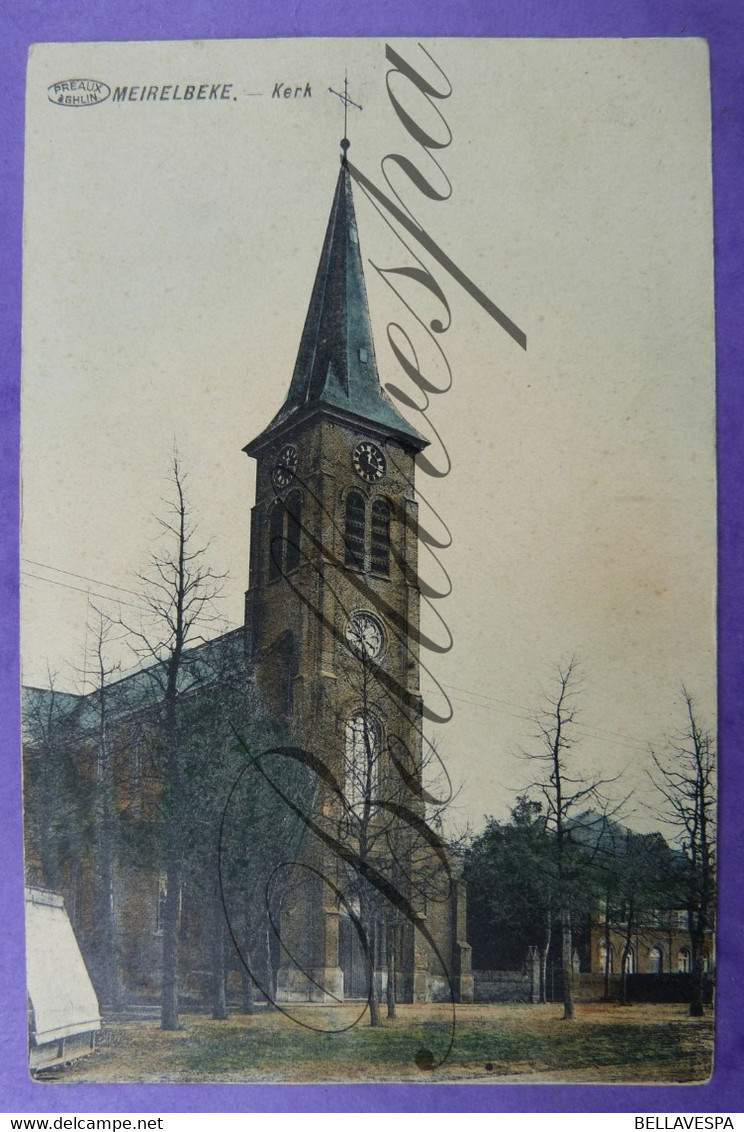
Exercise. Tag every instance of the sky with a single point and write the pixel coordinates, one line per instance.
(169, 253)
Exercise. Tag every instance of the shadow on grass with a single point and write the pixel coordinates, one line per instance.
(290, 1051)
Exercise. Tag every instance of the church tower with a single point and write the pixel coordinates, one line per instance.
(332, 620)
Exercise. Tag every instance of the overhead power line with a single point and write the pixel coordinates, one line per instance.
(82, 577)
(229, 625)
(596, 734)
(79, 589)
(522, 707)
(603, 734)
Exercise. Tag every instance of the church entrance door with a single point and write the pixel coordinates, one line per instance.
(352, 960)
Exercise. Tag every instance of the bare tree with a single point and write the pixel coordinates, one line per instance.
(364, 826)
(104, 815)
(389, 816)
(634, 871)
(178, 589)
(55, 788)
(565, 794)
(685, 779)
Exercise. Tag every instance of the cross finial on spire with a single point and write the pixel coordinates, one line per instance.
(345, 143)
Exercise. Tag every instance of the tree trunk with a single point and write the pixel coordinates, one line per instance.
(697, 1008)
(47, 853)
(567, 965)
(608, 953)
(174, 816)
(366, 915)
(270, 972)
(219, 971)
(264, 944)
(627, 952)
(391, 971)
(697, 975)
(111, 989)
(544, 953)
(169, 1004)
(374, 1002)
(249, 990)
(248, 949)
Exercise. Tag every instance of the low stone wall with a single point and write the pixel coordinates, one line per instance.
(591, 987)
(517, 986)
(667, 987)
(502, 986)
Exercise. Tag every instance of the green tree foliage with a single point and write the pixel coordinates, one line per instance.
(518, 891)
(243, 802)
(507, 870)
(58, 798)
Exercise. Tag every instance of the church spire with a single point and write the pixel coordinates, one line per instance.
(336, 370)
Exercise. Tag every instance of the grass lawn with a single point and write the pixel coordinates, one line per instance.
(481, 1043)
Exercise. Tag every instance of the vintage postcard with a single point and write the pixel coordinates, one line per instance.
(368, 561)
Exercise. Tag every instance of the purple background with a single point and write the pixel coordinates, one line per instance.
(721, 22)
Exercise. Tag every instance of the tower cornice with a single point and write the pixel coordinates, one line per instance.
(273, 436)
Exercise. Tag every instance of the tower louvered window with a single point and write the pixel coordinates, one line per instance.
(354, 530)
(294, 521)
(276, 541)
(285, 529)
(380, 538)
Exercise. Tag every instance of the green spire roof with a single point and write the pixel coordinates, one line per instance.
(336, 370)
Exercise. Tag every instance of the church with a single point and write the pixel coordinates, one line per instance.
(330, 650)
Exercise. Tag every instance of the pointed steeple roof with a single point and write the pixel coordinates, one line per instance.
(336, 369)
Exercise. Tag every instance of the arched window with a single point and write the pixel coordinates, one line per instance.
(380, 541)
(294, 526)
(605, 957)
(285, 528)
(655, 961)
(628, 961)
(160, 909)
(361, 760)
(684, 963)
(354, 530)
(276, 541)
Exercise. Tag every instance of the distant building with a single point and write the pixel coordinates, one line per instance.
(627, 902)
(637, 923)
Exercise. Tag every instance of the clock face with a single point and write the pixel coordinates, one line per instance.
(364, 635)
(369, 461)
(285, 467)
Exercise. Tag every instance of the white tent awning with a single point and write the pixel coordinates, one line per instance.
(59, 987)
